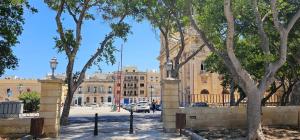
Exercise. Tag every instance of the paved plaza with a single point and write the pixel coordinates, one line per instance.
(114, 125)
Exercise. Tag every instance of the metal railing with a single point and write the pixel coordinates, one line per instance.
(224, 99)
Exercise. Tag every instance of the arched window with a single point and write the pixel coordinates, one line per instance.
(87, 99)
(204, 91)
(95, 99)
(109, 99)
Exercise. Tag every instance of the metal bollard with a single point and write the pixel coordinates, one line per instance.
(96, 125)
(131, 122)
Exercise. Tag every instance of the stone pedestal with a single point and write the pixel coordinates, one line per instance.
(50, 104)
(170, 102)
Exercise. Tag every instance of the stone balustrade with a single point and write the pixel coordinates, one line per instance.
(11, 109)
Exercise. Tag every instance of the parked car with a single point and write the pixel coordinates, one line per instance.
(200, 104)
(143, 107)
(158, 107)
(131, 106)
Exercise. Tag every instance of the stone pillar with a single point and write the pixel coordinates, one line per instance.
(50, 104)
(170, 104)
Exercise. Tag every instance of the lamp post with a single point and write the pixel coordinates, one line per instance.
(151, 89)
(20, 88)
(169, 65)
(53, 64)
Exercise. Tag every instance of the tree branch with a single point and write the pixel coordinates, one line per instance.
(71, 13)
(79, 24)
(96, 54)
(60, 29)
(264, 38)
(293, 21)
(277, 24)
(191, 56)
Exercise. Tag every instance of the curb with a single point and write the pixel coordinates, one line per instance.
(192, 135)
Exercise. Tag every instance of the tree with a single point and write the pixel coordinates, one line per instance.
(169, 18)
(229, 29)
(31, 101)
(11, 22)
(69, 40)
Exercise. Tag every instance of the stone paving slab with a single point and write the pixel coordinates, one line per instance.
(114, 126)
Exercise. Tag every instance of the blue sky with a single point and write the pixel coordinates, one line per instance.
(36, 46)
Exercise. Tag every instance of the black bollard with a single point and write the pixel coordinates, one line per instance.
(131, 122)
(96, 125)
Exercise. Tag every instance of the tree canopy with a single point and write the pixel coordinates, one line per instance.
(11, 23)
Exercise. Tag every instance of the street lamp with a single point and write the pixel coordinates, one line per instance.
(169, 68)
(151, 89)
(53, 64)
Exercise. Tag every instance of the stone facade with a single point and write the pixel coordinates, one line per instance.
(153, 86)
(97, 89)
(134, 85)
(17, 87)
(193, 75)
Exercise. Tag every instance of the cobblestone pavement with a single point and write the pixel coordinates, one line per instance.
(114, 125)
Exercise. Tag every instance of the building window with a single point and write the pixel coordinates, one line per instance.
(151, 78)
(109, 99)
(95, 99)
(80, 90)
(124, 85)
(101, 89)
(142, 85)
(89, 89)
(87, 99)
(135, 93)
(204, 91)
(124, 93)
(134, 85)
(102, 99)
(133, 71)
(141, 92)
(142, 78)
(109, 90)
(95, 89)
(202, 67)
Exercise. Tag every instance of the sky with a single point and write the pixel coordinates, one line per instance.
(36, 46)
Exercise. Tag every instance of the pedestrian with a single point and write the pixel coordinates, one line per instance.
(153, 106)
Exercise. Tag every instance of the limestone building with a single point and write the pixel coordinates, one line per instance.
(96, 89)
(195, 80)
(153, 86)
(12, 87)
(134, 85)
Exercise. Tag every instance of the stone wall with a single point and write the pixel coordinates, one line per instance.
(235, 117)
(14, 127)
(50, 104)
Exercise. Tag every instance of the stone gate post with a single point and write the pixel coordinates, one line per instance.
(50, 104)
(170, 103)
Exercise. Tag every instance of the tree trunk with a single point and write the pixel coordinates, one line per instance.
(70, 93)
(254, 116)
(295, 95)
(66, 109)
